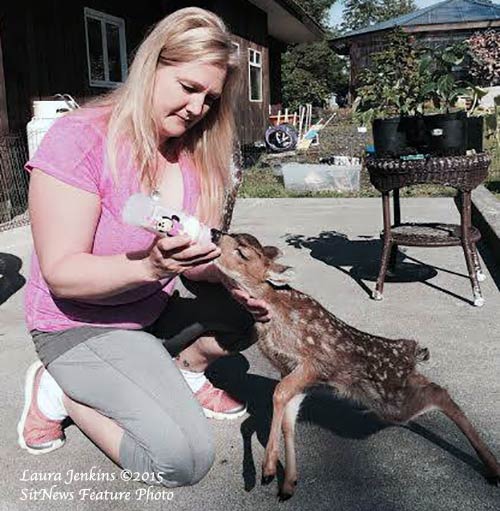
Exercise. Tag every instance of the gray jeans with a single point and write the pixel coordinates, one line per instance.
(130, 377)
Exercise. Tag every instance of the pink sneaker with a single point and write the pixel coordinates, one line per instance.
(36, 433)
(218, 404)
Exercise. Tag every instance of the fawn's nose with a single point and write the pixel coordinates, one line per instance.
(216, 235)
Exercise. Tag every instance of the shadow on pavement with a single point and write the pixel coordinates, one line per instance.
(321, 407)
(360, 259)
(11, 281)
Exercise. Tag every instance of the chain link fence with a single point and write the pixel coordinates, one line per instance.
(13, 181)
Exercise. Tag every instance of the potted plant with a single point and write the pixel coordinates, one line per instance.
(389, 96)
(448, 129)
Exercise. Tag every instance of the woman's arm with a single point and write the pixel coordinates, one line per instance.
(63, 222)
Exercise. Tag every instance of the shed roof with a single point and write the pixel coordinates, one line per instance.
(449, 11)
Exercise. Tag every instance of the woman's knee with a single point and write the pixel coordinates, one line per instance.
(186, 464)
(172, 459)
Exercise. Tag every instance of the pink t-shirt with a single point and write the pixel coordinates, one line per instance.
(73, 151)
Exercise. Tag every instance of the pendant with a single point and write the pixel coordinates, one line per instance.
(155, 195)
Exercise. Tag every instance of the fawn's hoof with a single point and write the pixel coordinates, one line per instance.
(287, 490)
(284, 496)
(493, 479)
(377, 295)
(266, 479)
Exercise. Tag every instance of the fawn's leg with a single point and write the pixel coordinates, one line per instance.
(288, 427)
(432, 396)
(287, 388)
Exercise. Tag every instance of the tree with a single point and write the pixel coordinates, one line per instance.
(394, 8)
(311, 71)
(363, 13)
(359, 14)
(317, 9)
(485, 57)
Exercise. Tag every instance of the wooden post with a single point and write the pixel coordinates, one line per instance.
(4, 118)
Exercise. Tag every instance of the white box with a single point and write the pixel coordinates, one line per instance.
(342, 176)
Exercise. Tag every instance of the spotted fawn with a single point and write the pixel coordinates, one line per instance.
(311, 346)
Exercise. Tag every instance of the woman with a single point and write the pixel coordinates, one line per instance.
(100, 303)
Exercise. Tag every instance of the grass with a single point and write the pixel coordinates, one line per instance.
(262, 183)
(494, 187)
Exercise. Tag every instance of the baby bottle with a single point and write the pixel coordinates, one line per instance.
(143, 211)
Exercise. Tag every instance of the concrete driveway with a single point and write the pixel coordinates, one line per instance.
(347, 461)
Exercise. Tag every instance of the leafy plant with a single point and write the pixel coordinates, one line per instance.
(444, 87)
(484, 49)
(404, 79)
(391, 85)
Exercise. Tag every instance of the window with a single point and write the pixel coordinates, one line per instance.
(106, 49)
(255, 74)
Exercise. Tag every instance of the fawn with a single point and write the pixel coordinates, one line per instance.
(310, 346)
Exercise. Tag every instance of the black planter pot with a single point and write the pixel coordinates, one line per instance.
(390, 137)
(417, 136)
(475, 134)
(447, 133)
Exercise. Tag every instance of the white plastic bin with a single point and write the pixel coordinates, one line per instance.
(341, 176)
(44, 115)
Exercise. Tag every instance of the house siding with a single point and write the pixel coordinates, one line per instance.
(44, 53)
(44, 49)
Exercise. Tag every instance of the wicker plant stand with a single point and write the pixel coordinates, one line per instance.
(463, 173)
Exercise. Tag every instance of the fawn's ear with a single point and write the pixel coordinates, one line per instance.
(279, 275)
(272, 252)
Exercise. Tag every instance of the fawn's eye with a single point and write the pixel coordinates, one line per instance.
(241, 254)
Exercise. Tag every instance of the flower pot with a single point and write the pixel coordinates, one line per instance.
(447, 133)
(475, 134)
(389, 137)
(399, 136)
(417, 136)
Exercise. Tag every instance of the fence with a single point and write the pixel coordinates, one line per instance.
(13, 181)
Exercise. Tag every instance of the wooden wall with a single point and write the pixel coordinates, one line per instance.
(44, 48)
(44, 52)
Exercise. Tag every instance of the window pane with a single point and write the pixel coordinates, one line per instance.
(257, 58)
(113, 40)
(255, 83)
(95, 49)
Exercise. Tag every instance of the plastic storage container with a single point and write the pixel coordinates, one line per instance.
(44, 115)
(341, 174)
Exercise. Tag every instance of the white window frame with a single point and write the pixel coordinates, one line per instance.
(112, 20)
(252, 62)
(237, 46)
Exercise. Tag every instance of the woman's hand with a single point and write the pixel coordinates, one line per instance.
(174, 255)
(258, 308)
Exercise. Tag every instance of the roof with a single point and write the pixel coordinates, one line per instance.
(449, 11)
(289, 22)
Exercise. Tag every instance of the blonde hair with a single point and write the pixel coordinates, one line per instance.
(187, 35)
